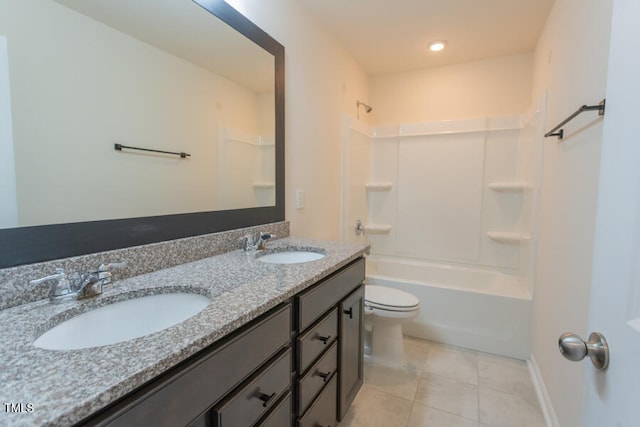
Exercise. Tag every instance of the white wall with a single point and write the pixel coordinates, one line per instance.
(8, 201)
(322, 82)
(571, 66)
(493, 87)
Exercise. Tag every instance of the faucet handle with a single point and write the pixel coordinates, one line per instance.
(110, 265)
(247, 242)
(58, 276)
(104, 271)
(262, 240)
(251, 243)
(61, 290)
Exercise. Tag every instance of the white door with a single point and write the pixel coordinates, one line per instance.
(612, 397)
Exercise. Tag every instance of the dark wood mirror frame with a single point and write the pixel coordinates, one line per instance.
(26, 245)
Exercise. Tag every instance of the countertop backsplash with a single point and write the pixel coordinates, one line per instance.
(16, 290)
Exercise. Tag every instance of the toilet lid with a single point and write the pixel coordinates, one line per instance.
(389, 298)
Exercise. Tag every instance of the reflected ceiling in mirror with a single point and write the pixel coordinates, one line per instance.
(84, 75)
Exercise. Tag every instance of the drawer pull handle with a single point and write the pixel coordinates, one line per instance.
(324, 375)
(349, 312)
(324, 340)
(266, 398)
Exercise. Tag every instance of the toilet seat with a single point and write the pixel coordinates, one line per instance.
(389, 299)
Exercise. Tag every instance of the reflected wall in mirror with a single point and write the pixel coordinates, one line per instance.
(79, 76)
(165, 75)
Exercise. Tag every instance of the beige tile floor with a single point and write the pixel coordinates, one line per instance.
(446, 386)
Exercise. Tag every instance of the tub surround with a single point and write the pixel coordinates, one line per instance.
(14, 282)
(67, 386)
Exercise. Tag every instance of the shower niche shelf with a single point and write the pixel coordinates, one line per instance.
(377, 229)
(508, 237)
(508, 187)
(379, 186)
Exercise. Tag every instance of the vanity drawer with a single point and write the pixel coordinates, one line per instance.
(317, 300)
(281, 414)
(254, 399)
(312, 383)
(180, 395)
(323, 411)
(317, 339)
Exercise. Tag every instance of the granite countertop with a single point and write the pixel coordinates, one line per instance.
(64, 387)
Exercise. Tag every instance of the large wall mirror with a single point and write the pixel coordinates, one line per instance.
(85, 84)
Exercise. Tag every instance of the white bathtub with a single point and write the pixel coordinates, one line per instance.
(473, 308)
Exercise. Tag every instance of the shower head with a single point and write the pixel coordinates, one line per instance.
(367, 108)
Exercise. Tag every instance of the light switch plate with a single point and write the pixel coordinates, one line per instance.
(300, 199)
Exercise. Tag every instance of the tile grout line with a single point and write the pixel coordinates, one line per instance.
(447, 412)
(422, 372)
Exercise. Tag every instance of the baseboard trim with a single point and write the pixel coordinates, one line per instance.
(543, 396)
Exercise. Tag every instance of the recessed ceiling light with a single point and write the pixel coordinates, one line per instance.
(438, 45)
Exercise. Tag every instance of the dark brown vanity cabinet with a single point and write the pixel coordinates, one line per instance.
(299, 364)
(241, 378)
(329, 320)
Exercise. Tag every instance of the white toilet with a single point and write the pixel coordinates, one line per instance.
(385, 309)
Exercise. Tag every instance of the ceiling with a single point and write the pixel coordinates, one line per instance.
(392, 36)
(186, 30)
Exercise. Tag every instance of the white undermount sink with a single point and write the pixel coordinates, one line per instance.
(122, 321)
(291, 257)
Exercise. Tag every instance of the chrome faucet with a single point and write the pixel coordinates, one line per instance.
(251, 243)
(61, 289)
(77, 286)
(92, 284)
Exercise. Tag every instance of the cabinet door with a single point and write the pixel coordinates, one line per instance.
(351, 349)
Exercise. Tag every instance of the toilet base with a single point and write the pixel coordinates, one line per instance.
(387, 345)
(367, 343)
